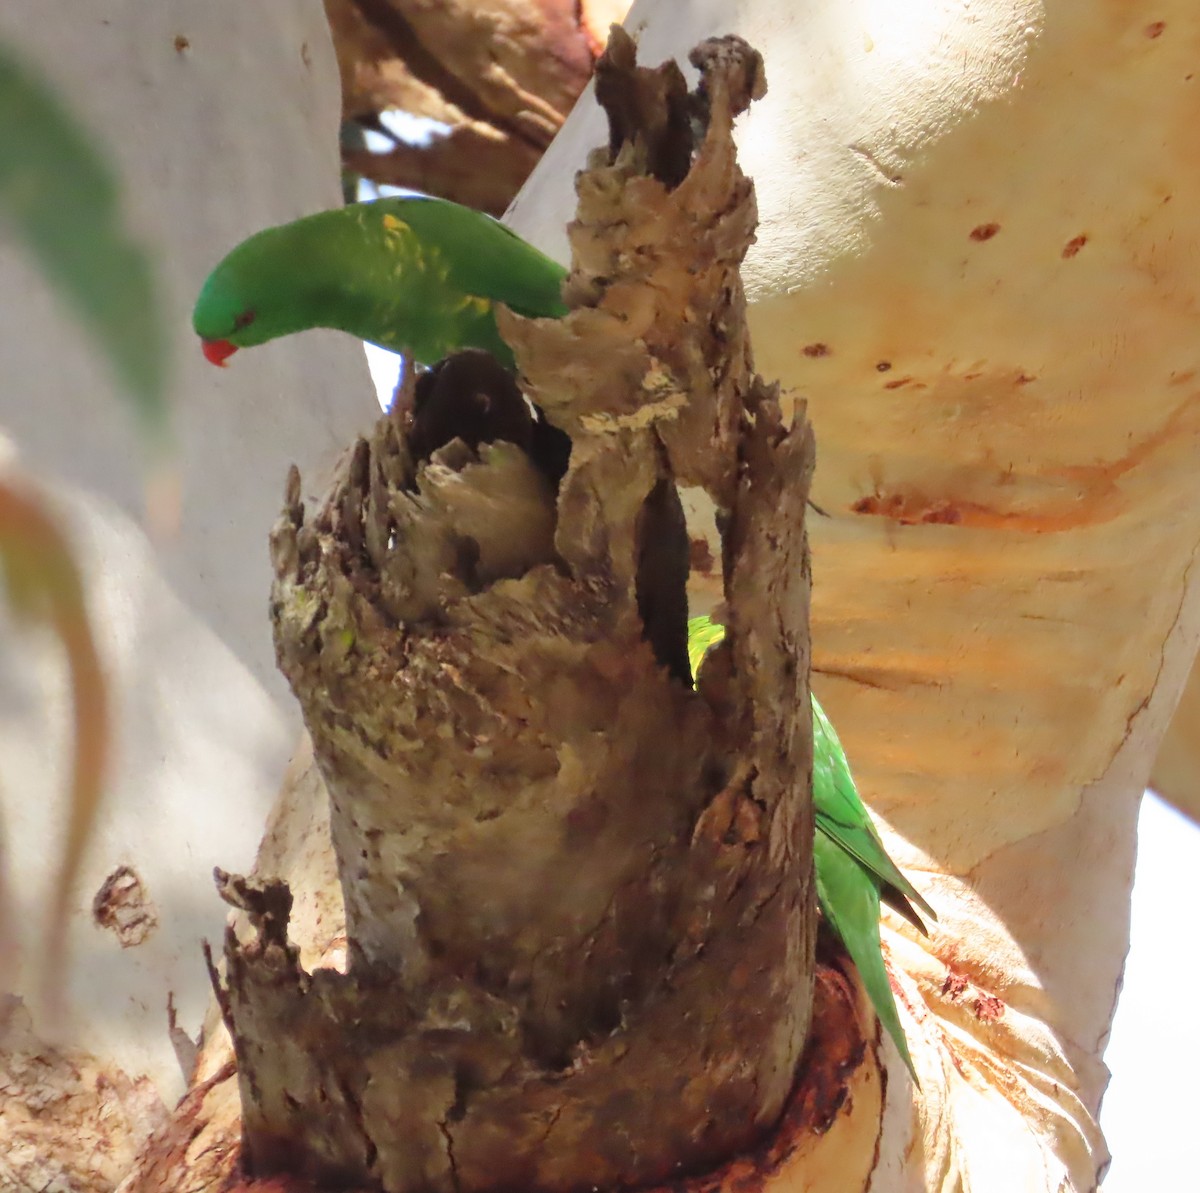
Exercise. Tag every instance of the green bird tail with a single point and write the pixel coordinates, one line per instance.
(849, 900)
(841, 814)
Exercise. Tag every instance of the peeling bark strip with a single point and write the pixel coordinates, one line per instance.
(500, 74)
(578, 894)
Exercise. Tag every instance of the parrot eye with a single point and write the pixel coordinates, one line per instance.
(243, 320)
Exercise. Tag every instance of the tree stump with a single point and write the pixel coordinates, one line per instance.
(578, 893)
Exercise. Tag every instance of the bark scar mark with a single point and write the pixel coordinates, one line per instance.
(1094, 494)
(888, 177)
(123, 906)
(444, 1127)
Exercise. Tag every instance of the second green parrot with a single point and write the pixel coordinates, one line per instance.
(852, 869)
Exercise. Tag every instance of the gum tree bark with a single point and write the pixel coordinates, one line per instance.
(1176, 773)
(1002, 680)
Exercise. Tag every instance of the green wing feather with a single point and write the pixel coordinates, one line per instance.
(852, 869)
(484, 258)
(702, 633)
(841, 814)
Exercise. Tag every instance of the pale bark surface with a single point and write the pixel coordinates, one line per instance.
(1176, 774)
(220, 117)
(924, 188)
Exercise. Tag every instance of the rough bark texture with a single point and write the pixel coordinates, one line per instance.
(577, 897)
(67, 1121)
(502, 74)
(826, 1139)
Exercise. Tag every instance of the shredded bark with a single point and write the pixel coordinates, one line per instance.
(577, 892)
(67, 1120)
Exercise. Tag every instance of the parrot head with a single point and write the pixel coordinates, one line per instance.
(261, 291)
(226, 316)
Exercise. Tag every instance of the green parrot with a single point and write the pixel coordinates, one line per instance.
(853, 872)
(413, 274)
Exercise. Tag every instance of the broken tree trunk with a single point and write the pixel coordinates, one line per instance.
(578, 897)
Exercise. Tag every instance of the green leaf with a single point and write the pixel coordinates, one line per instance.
(58, 195)
(44, 585)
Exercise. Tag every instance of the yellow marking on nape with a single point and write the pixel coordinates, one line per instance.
(474, 302)
(392, 224)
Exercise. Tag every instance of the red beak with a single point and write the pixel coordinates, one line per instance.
(217, 352)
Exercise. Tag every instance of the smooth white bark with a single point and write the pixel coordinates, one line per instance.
(221, 118)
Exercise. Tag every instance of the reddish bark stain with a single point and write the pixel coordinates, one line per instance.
(908, 509)
(1096, 495)
(988, 1008)
(815, 350)
(181, 44)
(1074, 245)
(1025, 378)
(897, 383)
(835, 1050)
(984, 231)
(1155, 29)
(700, 557)
(954, 986)
(943, 514)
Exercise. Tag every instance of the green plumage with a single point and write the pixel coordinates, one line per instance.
(853, 871)
(410, 274)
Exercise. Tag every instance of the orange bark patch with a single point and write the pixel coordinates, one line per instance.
(954, 986)
(909, 509)
(1095, 495)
